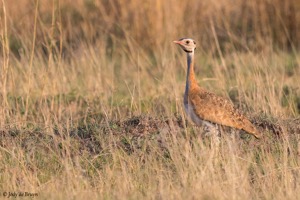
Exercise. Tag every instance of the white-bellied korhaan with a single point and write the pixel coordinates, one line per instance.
(204, 107)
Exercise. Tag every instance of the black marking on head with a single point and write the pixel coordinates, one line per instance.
(187, 51)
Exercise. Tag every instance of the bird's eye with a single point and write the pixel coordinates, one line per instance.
(187, 42)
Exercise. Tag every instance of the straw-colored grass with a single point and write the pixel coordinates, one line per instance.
(91, 99)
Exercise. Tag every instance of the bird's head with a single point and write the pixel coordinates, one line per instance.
(187, 44)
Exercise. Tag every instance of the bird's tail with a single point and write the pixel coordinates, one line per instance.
(250, 128)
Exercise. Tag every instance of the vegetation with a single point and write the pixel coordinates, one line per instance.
(91, 99)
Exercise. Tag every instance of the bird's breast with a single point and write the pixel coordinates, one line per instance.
(190, 111)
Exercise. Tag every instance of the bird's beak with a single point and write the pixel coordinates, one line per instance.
(177, 42)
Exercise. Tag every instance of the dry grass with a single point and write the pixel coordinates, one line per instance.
(91, 99)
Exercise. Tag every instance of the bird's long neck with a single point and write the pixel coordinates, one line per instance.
(190, 76)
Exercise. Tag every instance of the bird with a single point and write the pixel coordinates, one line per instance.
(206, 108)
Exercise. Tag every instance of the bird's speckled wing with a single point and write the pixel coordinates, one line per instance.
(211, 107)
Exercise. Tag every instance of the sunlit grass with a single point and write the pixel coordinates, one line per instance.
(94, 110)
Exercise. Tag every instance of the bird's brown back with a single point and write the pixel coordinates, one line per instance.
(211, 107)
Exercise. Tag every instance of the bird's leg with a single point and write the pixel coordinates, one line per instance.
(213, 132)
(211, 129)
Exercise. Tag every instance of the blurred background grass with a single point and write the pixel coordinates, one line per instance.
(238, 25)
(122, 51)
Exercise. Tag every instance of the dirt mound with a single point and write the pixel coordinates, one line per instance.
(146, 125)
(142, 125)
(280, 127)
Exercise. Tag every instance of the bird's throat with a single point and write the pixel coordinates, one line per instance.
(190, 77)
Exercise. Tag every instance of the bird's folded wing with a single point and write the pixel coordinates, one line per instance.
(211, 107)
